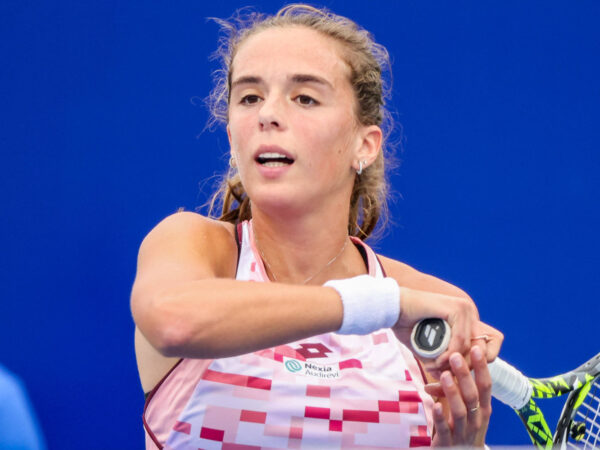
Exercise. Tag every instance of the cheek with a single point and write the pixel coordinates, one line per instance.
(333, 132)
(332, 151)
(239, 129)
(339, 140)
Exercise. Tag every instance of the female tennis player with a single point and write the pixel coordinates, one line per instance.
(275, 325)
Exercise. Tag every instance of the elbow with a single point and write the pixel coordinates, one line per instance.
(182, 338)
(179, 333)
(168, 329)
(171, 340)
(178, 327)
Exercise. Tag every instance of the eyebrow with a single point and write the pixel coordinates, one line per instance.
(246, 80)
(297, 79)
(306, 78)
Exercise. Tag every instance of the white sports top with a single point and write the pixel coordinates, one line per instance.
(327, 391)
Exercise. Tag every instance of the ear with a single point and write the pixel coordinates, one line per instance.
(369, 146)
(232, 156)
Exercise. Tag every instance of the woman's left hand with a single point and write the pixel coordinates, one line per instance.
(468, 402)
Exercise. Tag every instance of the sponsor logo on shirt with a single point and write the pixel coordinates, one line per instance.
(311, 369)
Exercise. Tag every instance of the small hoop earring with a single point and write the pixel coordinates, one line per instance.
(360, 167)
(232, 163)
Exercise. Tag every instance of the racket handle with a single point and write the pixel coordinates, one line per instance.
(508, 384)
(430, 338)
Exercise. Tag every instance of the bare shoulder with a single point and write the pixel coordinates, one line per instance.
(411, 278)
(190, 226)
(182, 248)
(187, 237)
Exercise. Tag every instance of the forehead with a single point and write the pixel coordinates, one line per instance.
(293, 49)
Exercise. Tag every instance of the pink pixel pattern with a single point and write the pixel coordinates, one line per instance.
(329, 391)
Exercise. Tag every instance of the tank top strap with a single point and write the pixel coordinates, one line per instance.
(374, 267)
(250, 265)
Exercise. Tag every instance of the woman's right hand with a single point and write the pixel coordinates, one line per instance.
(462, 316)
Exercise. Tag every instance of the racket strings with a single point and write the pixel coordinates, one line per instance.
(589, 413)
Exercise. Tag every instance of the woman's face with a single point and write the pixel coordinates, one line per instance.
(292, 124)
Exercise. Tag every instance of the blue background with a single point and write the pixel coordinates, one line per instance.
(102, 136)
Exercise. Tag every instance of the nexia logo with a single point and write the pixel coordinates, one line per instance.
(293, 366)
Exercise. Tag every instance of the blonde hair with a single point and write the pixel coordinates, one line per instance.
(367, 61)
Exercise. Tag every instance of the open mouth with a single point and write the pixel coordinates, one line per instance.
(273, 159)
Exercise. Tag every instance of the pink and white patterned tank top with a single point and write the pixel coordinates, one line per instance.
(327, 391)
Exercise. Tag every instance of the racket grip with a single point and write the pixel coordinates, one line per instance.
(509, 385)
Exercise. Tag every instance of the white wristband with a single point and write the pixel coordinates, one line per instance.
(369, 303)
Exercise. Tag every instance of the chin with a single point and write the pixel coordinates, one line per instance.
(277, 201)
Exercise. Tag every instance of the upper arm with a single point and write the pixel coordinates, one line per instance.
(183, 247)
(409, 277)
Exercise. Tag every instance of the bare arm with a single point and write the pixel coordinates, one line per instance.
(187, 304)
(408, 276)
(427, 288)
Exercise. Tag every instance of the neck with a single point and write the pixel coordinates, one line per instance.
(310, 248)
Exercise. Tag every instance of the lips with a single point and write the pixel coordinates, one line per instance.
(271, 156)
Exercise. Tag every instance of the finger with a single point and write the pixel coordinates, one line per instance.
(492, 350)
(461, 323)
(434, 374)
(491, 339)
(480, 341)
(458, 410)
(443, 434)
(432, 367)
(492, 347)
(483, 379)
(441, 362)
(461, 338)
(434, 389)
(468, 388)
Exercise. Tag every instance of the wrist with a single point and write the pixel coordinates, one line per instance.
(369, 303)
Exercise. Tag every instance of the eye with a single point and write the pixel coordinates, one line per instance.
(250, 99)
(305, 100)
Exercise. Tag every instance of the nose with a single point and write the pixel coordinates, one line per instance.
(270, 116)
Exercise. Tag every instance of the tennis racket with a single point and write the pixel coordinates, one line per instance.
(579, 423)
